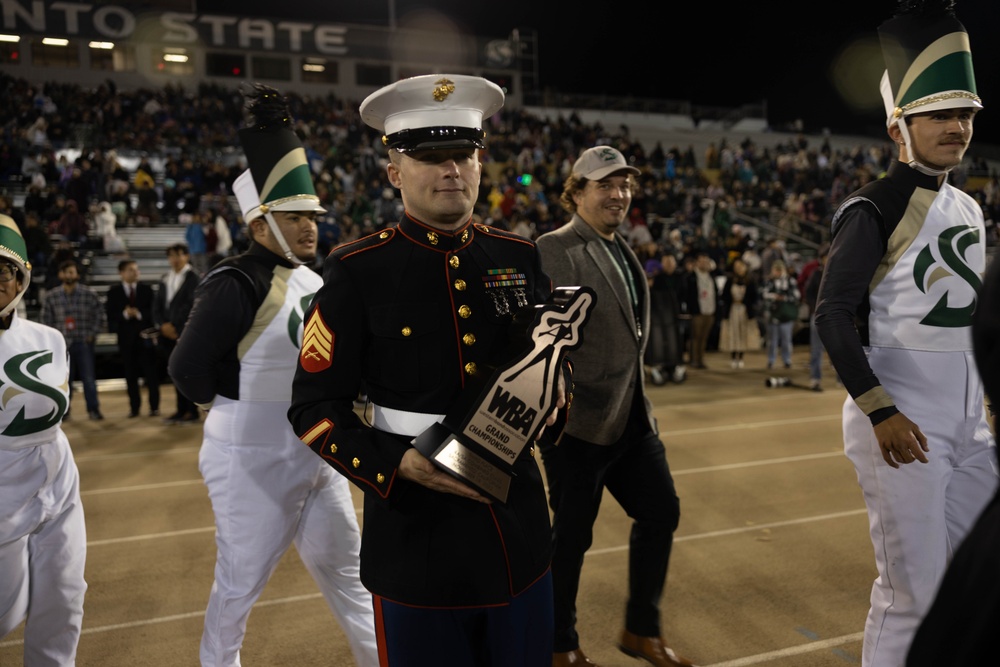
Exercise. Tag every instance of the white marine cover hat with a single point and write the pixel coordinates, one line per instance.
(433, 111)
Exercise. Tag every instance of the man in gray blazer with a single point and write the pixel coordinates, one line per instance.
(610, 437)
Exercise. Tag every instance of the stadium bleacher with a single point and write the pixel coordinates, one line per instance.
(632, 131)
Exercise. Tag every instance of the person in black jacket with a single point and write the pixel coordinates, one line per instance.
(665, 352)
(701, 298)
(129, 306)
(415, 314)
(170, 312)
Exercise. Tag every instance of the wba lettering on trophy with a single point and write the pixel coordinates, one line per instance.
(481, 445)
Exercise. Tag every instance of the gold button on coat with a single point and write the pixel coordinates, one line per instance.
(469, 339)
(381, 478)
(460, 285)
(470, 368)
(453, 262)
(464, 312)
(356, 463)
(406, 331)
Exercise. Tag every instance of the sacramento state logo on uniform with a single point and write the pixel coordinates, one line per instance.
(21, 376)
(928, 269)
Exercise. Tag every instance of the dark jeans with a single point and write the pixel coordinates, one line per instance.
(664, 347)
(635, 472)
(81, 367)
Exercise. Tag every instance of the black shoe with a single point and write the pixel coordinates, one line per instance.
(154, 413)
(188, 418)
(133, 414)
(172, 419)
(95, 415)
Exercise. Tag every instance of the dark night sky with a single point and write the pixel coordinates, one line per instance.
(816, 62)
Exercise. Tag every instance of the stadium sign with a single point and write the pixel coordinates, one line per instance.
(116, 22)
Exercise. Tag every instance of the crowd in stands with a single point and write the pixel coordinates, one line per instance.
(686, 203)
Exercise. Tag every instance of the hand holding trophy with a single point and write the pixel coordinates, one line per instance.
(481, 445)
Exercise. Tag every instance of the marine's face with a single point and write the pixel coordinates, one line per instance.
(604, 204)
(939, 139)
(438, 187)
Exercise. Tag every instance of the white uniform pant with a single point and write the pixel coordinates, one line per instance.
(43, 550)
(919, 513)
(269, 490)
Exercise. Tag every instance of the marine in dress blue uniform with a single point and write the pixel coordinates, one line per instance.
(415, 316)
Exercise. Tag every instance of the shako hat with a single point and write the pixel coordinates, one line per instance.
(14, 250)
(928, 61)
(277, 177)
(433, 111)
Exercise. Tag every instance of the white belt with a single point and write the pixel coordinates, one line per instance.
(402, 422)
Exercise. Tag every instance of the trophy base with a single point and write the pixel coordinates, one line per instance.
(447, 452)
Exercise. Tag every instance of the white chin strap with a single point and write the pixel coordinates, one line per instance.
(922, 168)
(289, 255)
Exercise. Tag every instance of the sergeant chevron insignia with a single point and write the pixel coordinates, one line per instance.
(317, 345)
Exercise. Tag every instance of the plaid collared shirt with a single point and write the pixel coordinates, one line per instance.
(78, 316)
